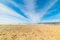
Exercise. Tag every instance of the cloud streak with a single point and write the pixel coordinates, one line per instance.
(28, 9)
(8, 15)
(46, 8)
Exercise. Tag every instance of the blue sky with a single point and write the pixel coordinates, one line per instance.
(29, 11)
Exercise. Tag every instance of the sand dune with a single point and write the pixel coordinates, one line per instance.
(30, 32)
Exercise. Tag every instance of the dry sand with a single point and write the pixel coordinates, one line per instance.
(30, 32)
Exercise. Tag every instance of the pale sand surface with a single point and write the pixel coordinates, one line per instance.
(30, 32)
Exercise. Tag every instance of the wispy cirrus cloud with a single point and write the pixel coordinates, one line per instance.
(28, 9)
(8, 15)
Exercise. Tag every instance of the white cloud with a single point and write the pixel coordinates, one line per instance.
(47, 7)
(8, 16)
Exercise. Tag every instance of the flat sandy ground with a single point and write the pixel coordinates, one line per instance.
(30, 32)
